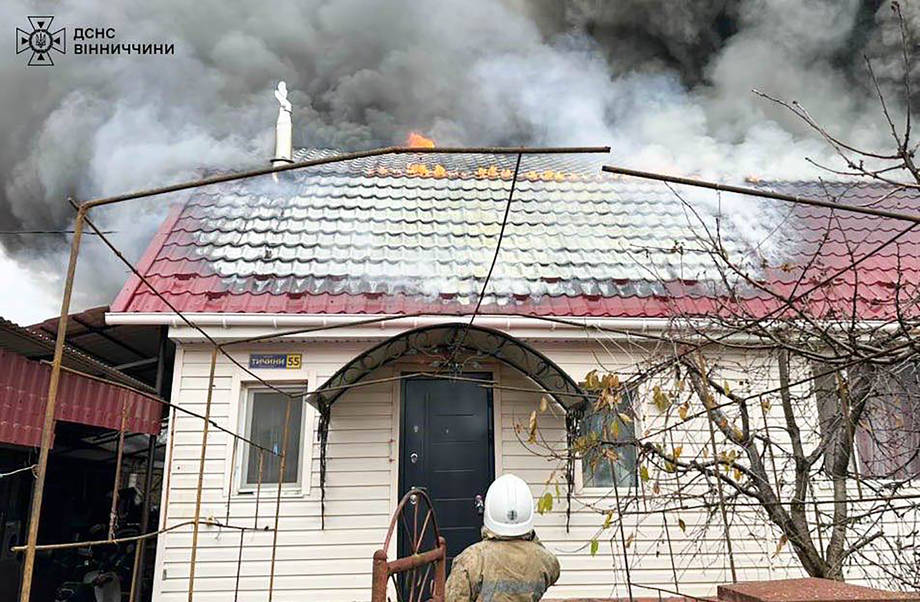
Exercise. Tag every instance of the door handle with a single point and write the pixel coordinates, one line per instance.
(413, 499)
(479, 504)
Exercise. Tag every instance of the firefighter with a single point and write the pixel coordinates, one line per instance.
(509, 564)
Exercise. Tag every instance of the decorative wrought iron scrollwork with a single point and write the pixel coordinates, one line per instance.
(573, 417)
(463, 345)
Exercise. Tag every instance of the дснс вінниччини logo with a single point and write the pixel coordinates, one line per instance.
(41, 41)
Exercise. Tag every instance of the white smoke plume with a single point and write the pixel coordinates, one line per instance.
(666, 84)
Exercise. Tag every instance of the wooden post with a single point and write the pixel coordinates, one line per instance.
(440, 577)
(381, 574)
(28, 566)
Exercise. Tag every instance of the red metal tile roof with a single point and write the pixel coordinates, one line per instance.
(388, 238)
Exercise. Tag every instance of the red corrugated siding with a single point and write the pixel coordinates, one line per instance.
(24, 390)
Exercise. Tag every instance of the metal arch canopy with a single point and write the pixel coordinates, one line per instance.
(461, 344)
(436, 343)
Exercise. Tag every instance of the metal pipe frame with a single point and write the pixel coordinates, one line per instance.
(204, 447)
(160, 401)
(378, 152)
(108, 542)
(38, 490)
(116, 485)
(81, 218)
(767, 194)
(79, 222)
(284, 441)
(383, 569)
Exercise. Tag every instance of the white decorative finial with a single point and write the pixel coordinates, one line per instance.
(281, 95)
(283, 128)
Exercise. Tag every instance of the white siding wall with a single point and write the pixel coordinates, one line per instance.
(311, 564)
(700, 561)
(334, 564)
(700, 558)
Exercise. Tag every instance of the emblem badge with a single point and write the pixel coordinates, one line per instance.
(41, 41)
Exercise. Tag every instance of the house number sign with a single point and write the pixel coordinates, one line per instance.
(275, 361)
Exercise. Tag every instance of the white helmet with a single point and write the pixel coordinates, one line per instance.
(509, 507)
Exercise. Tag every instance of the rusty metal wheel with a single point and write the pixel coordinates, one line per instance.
(417, 528)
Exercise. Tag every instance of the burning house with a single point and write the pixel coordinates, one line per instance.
(427, 352)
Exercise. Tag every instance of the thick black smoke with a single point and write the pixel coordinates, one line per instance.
(667, 84)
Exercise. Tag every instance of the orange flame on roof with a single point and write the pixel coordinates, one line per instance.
(416, 140)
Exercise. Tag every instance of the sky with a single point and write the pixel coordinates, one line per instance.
(26, 299)
(667, 84)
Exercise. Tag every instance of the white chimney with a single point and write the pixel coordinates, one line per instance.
(283, 129)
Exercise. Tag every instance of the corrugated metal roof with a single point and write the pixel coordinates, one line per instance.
(24, 393)
(129, 349)
(32, 344)
(402, 234)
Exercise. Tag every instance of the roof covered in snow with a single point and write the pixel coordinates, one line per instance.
(417, 233)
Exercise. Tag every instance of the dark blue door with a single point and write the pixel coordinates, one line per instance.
(447, 448)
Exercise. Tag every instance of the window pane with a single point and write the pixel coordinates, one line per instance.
(266, 428)
(599, 470)
(888, 436)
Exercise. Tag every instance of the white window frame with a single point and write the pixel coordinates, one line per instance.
(301, 487)
(602, 492)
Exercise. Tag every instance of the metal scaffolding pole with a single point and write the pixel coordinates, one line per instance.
(38, 490)
(204, 448)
